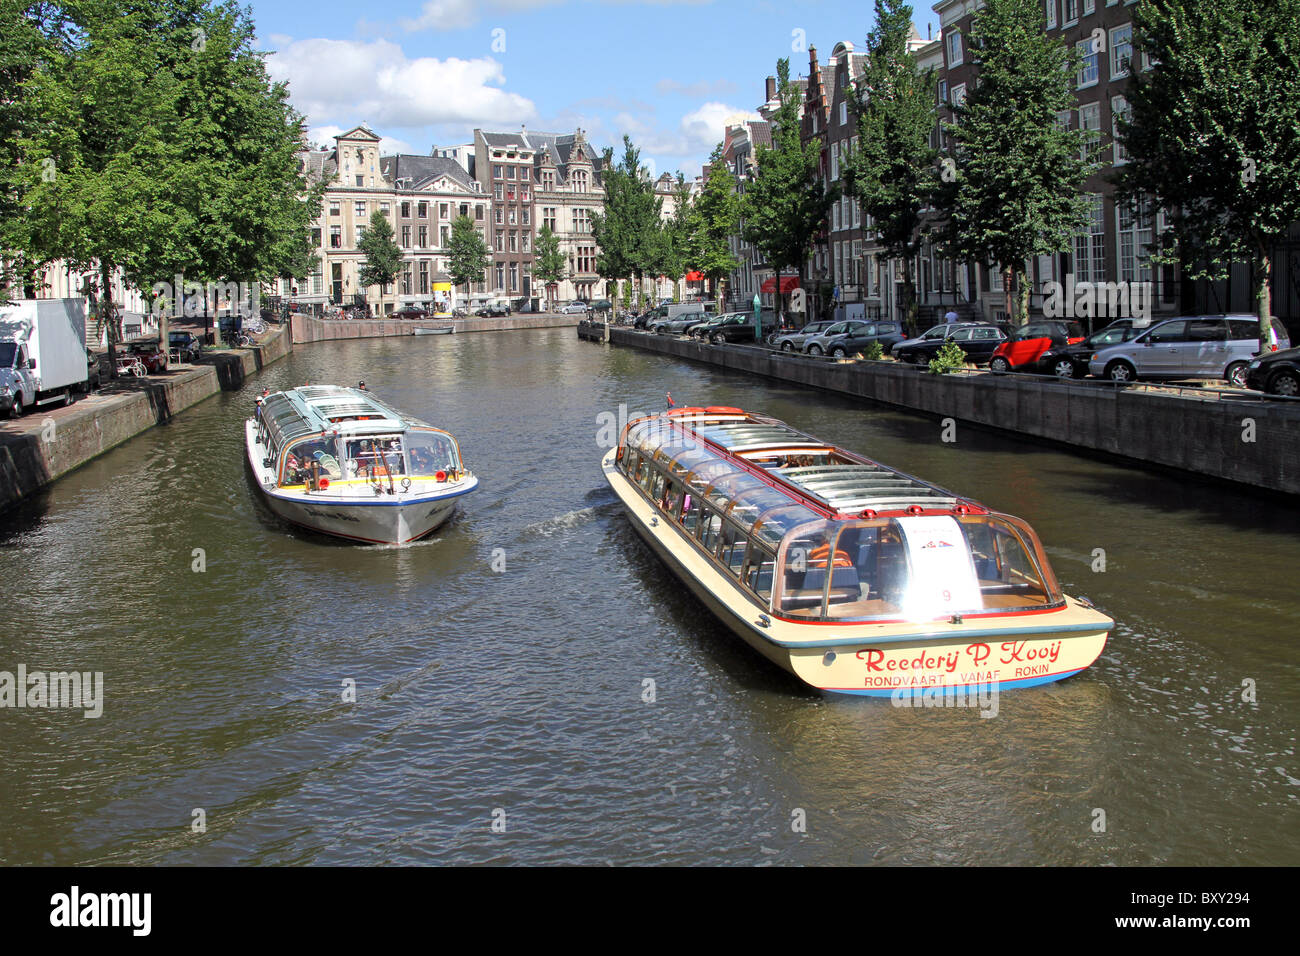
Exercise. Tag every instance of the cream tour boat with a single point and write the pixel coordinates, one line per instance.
(854, 577)
(341, 462)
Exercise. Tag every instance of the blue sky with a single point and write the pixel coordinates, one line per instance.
(670, 73)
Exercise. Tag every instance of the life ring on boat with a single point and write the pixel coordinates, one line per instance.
(724, 410)
(379, 471)
(817, 557)
(686, 410)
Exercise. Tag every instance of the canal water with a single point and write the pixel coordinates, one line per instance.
(534, 686)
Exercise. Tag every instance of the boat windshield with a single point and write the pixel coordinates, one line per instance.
(316, 455)
(918, 568)
(374, 457)
(431, 452)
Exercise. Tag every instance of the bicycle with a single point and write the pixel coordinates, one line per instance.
(131, 366)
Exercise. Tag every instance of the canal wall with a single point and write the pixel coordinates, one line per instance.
(307, 328)
(1247, 441)
(47, 443)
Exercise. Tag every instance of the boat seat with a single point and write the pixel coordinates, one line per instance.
(805, 589)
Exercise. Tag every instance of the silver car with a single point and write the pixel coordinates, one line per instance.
(1201, 346)
(793, 341)
(816, 344)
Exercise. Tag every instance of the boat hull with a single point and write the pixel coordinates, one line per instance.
(890, 659)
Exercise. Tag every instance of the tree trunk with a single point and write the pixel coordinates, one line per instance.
(1007, 280)
(909, 296)
(1263, 273)
(1022, 299)
(106, 316)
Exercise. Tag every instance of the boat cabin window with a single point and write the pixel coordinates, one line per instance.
(731, 548)
(710, 527)
(376, 457)
(430, 453)
(302, 454)
(759, 566)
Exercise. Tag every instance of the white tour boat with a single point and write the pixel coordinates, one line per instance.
(854, 577)
(340, 461)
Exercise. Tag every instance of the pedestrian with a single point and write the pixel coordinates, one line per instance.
(950, 316)
(361, 386)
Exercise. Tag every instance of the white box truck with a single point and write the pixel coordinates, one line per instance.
(42, 352)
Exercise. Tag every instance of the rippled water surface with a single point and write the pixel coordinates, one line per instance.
(518, 696)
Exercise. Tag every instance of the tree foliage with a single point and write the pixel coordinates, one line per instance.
(548, 259)
(892, 171)
(628, 231)
(383, 256)
(787, 204)
(468, 254)
(714, 220)
(1214, 134)
(1018, 171)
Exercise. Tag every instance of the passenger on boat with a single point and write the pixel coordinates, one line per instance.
(361, 386)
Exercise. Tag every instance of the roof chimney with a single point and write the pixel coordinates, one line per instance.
(771, 88)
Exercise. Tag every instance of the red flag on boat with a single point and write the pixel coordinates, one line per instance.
(671, 403)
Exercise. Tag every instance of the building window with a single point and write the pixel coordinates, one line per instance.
(423, 211)
(548, 180)
(444, 236)
(1089, 64)
(844, 113)
(579, 180)
(514, 276)
(442, 210)
(385, 208)
(514, 241)
(406, 237)
(1069, 12)
(501, 276)
(510, 172)
(581, 221)
(548, 217)
(424, 277)
(334, 207)
(513, 216)
(501, 240)
(954, 49)
(498, 192)
(1090, 123)
(1089, 252)
(424, 237)
(1121, 50)
(525, 243)
(406, 210)
(958, 94)
(1134, 237)
(1089, 7)
(361, 181)
(524, 214)
(1118, 110)
(498, 172)
(501, 215)
(478, 211)
(359, 209)
(359, 231)
(1051, 14)
(336, 237)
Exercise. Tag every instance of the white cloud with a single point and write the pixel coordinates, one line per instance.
(375, 83)
(458, 14)
(705, 127)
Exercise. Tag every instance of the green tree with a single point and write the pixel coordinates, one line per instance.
(1214, 134)
(628, 232)
(892, 172)
(548, 261)
(1016, 172)
(715, 219)
(383, 256)
(161, 147)
(469, 257)
(787, 203)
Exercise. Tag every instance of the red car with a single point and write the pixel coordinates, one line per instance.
(1027, 346)
(153, 357)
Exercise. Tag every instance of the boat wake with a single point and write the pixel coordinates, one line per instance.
(565, 522)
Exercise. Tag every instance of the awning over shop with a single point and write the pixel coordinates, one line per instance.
(788, 284)
(694, 276)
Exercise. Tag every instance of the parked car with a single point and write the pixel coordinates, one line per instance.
(574, 308)
(602, 305)
(1071, 361)
(937, 335)
(411, 312)
(1024, 350)
(148, 352)
(1203, 346)
(728, 327)
(188, 345)
(1277, 373)
(978, 340)
(494, 311)
(860, 336)
(793, 341)
(815, 344)
(680, 324)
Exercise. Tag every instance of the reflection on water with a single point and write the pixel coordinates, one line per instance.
(503, 666)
